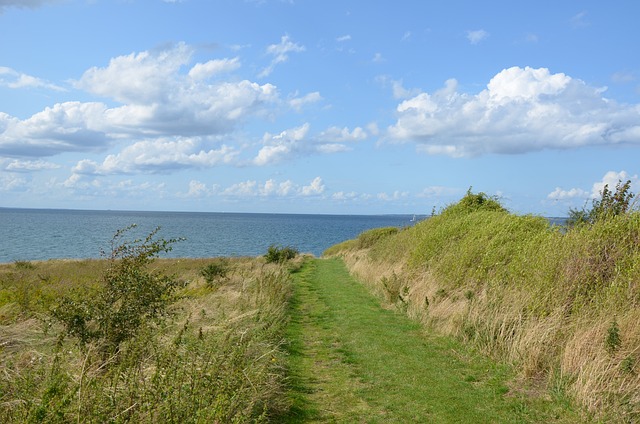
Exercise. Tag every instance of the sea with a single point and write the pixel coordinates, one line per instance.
(43, 234)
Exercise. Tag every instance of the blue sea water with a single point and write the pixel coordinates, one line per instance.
(41, 234)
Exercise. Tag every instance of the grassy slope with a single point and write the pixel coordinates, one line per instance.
(561, 306)
(353, 361)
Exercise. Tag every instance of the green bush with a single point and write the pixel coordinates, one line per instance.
(609, 205)
(216, 272)
(130, 295)
(278, 254)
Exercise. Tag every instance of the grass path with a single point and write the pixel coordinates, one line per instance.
(352, 361)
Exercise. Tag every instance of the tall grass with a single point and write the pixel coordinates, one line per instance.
(545, 298)
(218, 358)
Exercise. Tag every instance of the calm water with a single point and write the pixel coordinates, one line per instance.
(37, 234)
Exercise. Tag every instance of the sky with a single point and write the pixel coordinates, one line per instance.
(301, 106)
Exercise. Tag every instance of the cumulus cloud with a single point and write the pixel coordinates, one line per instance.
(521, 110)
(477, 36)
(280, 53)
(298, 141)
(610, 179)
(69, 126)
(158, 95)
(343, 38)
(159, 156)
(316, 187)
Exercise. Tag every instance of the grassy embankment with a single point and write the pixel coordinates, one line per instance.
(562, 306)
(353, 361)
(216, 355)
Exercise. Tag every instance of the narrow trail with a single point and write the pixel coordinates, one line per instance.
(354, 362)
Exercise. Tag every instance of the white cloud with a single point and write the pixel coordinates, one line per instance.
(280, 146)
(14, 79)
(395, 196)
(70, 126)
(160, 96)
(316, 187)
(611, 179)
(378, 58)
(29, 165)
(280, 53)
(201, 71)
(521, 110)
(342, 135)
(343, 38)
(574, 193)
(273, 188)
(297, 141)
(298, 103)
(477, 36)
(159, 156)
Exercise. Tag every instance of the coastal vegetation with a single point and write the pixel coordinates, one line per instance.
(135, 338)
(560, 304)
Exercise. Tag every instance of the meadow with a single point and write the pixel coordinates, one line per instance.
(559, 304)
(182, 340)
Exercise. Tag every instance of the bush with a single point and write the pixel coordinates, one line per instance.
(130, 295)
(277, 254)
(609, 205)
(215, 273)
(473, 202)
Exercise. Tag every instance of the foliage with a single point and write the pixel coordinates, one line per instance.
(473, 202)
(609, 205)
(216, 272)
(278, 254)
(130, 296)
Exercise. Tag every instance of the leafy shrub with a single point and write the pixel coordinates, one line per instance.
(278, 254)
(215, 272)
(130, 295)
(473, 202)
(609, 205)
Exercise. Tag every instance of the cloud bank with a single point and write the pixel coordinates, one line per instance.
(521, 110)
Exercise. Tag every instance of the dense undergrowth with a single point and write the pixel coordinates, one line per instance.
(561, 304)
(193, 345)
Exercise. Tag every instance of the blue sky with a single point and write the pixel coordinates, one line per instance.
(344, 107)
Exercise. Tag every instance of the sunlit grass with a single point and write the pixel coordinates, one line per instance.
(542, 298)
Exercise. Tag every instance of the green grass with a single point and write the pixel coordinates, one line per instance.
(353, 361)
(538, 297)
